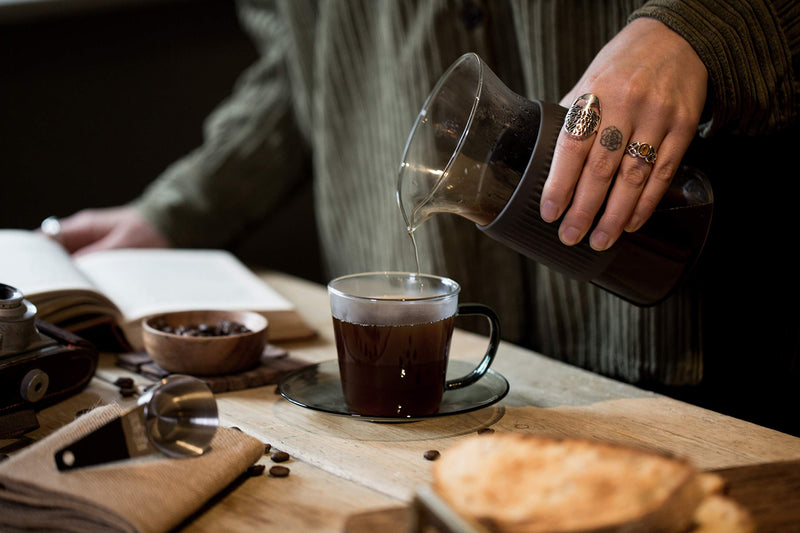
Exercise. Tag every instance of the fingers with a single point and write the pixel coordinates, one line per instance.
(82, 229)
(115, 239)
(580, 125)
(632, 178)
(612, 184)
(612, 180)
(581, 177)
(589, 172)
(100, 229)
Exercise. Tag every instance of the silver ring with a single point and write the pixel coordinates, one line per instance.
(583, 117)
(642, 150)
(52, 228)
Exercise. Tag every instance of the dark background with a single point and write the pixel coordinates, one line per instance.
(97, 98)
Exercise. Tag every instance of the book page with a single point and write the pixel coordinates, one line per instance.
(35, 264)
(142, 282)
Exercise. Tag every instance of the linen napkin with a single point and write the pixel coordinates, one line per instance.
(150, 493)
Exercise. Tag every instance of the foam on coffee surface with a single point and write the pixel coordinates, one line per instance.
(392, 311)
(395, 300)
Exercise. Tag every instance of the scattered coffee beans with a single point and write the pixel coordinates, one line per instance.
(278, 471)
(222, 329)
(279, 457)
(485, 431)
(255, 470)
(431, 455)
(267, 448)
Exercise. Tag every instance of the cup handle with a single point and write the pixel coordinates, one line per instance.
(491, 350)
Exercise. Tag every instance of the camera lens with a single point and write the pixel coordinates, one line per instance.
(9, 296)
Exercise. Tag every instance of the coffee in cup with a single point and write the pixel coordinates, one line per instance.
(393, 333)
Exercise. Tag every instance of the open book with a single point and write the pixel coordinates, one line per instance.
(119, 288)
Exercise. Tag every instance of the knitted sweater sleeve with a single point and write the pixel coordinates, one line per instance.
(751, 49)
(251, 158)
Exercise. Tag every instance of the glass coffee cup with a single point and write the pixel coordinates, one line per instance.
(393, 333)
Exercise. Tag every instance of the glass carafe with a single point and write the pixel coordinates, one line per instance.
(483, 152)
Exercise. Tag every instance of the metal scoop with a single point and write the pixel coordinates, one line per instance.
(178, 417)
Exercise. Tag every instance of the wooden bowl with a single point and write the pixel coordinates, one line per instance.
(205, 355)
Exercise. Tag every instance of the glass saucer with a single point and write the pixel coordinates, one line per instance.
(319, 387)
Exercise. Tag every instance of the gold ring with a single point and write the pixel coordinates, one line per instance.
(642, 150)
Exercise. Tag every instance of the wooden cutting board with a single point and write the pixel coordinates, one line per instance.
(770, 491)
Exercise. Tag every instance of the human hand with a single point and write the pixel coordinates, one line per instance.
(652, 88)
(90, 230)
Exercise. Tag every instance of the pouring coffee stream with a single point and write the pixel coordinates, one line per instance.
(483, 152)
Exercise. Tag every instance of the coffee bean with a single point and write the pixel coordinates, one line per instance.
(485, 431)
(255, 470)
(267, 448)
(127, 392)
(124, 383)
(431, 455)
(279, 457)
(279, 471)
(223, 328)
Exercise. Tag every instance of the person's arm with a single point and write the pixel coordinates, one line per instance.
(252, 156)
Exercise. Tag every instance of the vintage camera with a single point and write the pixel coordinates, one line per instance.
(40, 363)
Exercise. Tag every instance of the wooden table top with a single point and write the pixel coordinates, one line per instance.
(342, 466)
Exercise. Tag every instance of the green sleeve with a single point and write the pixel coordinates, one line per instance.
(751, 50)
(253, 154)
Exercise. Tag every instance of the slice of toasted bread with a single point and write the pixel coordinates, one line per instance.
(525, 483)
